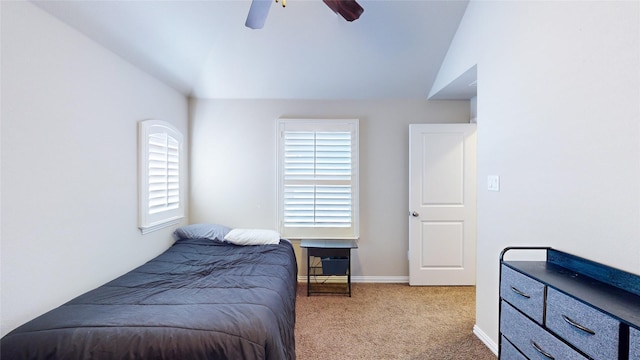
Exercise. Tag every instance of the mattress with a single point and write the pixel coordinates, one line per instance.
(200, 299)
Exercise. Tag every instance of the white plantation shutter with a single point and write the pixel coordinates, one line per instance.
(318, 175)
(164, 173)
(160, 175)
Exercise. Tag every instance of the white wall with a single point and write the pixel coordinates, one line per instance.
(559, 122)
(233, 174)
(69, 163)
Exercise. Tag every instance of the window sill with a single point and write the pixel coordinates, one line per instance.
(160, 225)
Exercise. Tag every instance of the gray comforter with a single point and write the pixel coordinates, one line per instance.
(201, 299)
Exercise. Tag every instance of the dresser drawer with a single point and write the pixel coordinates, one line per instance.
(509, 352)
(634, 344)
(523, 292)
(531, 339)
(588, 329)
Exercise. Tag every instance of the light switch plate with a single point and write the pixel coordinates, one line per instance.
(493, 183)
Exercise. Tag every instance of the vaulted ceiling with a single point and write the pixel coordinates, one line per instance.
(304, 51)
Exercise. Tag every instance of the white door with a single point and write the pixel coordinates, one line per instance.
(442, 204)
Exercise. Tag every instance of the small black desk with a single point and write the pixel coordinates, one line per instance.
(335, 260)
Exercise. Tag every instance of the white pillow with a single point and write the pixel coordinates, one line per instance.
(252, 237)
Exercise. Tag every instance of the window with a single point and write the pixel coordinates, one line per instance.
(318, 179)
(161, 180)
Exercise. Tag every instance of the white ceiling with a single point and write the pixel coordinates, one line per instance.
(304, 51)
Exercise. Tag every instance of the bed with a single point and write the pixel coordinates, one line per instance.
(201, 299)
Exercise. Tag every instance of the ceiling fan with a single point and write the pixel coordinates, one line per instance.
(350, 10)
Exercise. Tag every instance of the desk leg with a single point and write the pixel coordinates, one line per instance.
(308, 273)
(349, 275)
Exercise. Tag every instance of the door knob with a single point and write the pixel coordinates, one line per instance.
(415, 214)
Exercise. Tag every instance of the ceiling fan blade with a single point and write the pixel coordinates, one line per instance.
(349, 9)
(258, 13)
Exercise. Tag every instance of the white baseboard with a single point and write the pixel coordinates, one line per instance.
(361, 279)
(380, 279)
(485, 339)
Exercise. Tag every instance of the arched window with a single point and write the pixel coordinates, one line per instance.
(160, 172)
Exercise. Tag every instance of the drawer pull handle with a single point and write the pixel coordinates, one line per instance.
(577, 325)
(520, 293)
(539, 349)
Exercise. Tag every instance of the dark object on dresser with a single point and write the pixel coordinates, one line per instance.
(201, 299)
(567, 307)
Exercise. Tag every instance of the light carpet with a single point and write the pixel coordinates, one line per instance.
(389, 321)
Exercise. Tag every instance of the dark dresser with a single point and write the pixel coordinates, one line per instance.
(567, 307)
